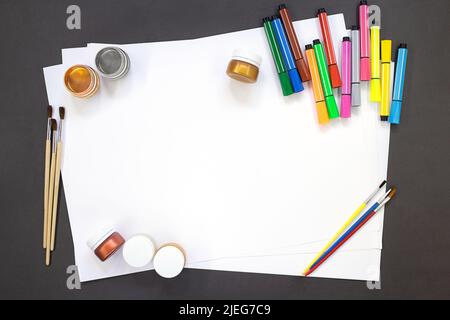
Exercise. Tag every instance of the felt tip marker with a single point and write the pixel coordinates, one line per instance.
(300, 62)
(386, 55)
(321, 107)
(375, 70)
(286, 54)
(328, 43)
(285, 82)
(364, 40)
(332, 108)
(346, 97)
(356, 86)
(399, 83)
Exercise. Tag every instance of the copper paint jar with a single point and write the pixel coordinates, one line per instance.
(244, 66)
(82, 81)
(105, 243)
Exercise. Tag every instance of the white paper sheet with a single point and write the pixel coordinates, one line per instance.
(179, 151)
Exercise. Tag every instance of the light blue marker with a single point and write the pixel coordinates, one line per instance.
(286, 53)
(399, 82)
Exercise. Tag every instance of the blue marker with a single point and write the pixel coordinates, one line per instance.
(286, 53)
(399, 82)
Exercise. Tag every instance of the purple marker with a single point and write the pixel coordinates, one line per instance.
(346, 98)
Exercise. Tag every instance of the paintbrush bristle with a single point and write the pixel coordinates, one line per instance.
(62, 113)
(382, 184)
(49, 111)
(392, 192)
(54, 125)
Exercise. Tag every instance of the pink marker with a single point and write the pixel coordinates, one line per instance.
(346, 97)
(364, 40)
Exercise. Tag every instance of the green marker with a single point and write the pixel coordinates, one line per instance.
(286, 86)
(333, 111)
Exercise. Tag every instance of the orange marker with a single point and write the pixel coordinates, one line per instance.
(322, 113)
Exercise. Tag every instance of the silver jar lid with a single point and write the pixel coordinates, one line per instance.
(112, 62)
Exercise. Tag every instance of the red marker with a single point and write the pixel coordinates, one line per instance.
(333, 69)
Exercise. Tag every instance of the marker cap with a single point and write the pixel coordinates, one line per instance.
(375, 90)
(322, 112)
(386, 51)
(335, 76)
(365, 69)
(346, 106)
(285, 82)
(138, 251)
(303, 69)
(296, 82)
(332, 107)
(356, 94)
(396, 109)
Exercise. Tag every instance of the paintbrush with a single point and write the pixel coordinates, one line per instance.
(50, 192)
(47, 171)
(57, 177)
(353, 229)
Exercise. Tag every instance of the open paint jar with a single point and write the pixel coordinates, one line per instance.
(112, 62)
(105, 243)
(169, 260)
(244, 66)
(82, 81)
(138, 251)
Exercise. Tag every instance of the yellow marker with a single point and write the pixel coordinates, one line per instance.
(375, 75)
(386, 55)
(346, 225)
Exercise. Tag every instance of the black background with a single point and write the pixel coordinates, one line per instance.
(415, 260)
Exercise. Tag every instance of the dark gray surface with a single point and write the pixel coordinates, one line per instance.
(415, 260)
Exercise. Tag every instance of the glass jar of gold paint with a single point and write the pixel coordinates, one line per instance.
(244, 66)
(82, 81)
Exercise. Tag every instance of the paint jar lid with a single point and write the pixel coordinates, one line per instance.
(247, 56)
(138, 251)
(81, 81)
(112, 62)
(169, 261)
(99, 237)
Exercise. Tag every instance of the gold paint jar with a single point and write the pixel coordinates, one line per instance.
(244, 66)
(81, 81)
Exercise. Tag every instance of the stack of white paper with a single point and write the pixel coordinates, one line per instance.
(240, 176)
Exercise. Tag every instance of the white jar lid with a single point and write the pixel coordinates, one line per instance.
(169, 261)
(138, 251)
(99, 237)
(247, 56)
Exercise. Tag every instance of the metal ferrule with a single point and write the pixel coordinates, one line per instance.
(382, 203)
(372, 195)
(54, 141)
(61, 122)
(49, 129)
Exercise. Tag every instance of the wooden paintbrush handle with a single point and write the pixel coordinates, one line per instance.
(46, 178)
(49, 211)
(55, 194)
